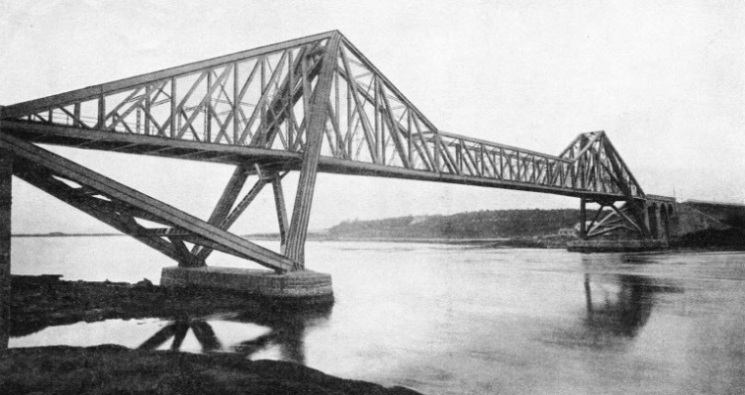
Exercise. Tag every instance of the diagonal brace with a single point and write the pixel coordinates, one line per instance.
(31, 154)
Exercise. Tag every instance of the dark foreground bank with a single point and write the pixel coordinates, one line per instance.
(110, 369)
(41, 301)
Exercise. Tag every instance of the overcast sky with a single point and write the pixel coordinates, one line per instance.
(664, 79)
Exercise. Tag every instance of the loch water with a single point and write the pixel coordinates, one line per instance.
(455, 319)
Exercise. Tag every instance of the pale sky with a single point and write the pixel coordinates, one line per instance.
(664, 79)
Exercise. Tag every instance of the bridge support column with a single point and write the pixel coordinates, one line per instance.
(279, 203)
(295, 247)
(582, 219)
(6, 173)
(660, 226)
(652, 219)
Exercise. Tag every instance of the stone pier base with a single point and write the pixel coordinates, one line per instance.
(302, 285)
(587, 246)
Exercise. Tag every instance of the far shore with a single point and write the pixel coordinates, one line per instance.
(495, 241)
(60, 234)
(312, 237)
(707, 240)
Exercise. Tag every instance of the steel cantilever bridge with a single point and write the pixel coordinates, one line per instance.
(314, 104)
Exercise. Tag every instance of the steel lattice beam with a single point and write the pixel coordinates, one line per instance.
(255, 105)
(119, 205)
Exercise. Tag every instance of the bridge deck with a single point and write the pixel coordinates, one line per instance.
(268, 158)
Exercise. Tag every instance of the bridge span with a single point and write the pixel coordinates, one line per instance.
(314, 104)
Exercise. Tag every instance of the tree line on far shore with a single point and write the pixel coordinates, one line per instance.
(470, 225)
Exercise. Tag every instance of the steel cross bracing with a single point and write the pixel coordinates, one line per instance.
(310, 104)
(123, 208)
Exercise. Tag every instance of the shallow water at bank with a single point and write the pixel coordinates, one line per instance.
(457, 319)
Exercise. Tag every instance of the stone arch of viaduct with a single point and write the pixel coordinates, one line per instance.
(660, 216)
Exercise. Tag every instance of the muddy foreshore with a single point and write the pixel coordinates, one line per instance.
(41, 301)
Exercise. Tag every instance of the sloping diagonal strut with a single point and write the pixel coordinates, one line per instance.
(295, 246)
(192, 228)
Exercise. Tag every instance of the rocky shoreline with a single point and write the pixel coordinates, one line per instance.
(41, 301)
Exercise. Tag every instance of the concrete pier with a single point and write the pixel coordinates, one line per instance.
(301, 285)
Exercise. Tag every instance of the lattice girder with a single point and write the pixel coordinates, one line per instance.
(616, 219)
(246, 99)
(261, 99)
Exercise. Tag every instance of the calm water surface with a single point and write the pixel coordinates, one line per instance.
(455, 319)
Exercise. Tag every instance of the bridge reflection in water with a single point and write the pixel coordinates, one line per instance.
(623, 314)
(287, 329)
(617, 306)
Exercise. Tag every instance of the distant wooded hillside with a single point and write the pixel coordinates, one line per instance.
(471, 225)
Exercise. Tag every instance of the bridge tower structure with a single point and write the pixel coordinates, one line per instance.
(313, 104)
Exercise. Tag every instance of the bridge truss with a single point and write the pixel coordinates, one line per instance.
(314, 104)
